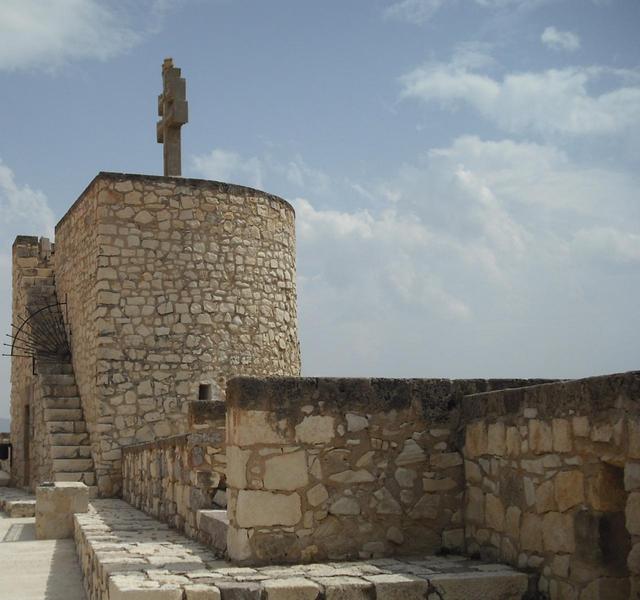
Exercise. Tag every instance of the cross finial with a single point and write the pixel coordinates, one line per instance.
(172, 107)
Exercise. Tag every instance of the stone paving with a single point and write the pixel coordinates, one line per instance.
(128, 555)
(17, 503)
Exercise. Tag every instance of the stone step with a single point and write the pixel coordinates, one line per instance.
(62, 402)
(59, 390)
(214, 524)
(69, 439)
(58, 379)
(70, 451)
(72, 465)
(87, 477)
(66, 426)
(54, 368)
(62, 414)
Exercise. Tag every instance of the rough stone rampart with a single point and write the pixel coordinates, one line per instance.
(344, 468)
(553, 483)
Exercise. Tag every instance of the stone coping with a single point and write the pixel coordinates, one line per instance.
(181, 439)
(592, 395)
(228, 188)
(126, 554)
(433, 397)
(202, 412)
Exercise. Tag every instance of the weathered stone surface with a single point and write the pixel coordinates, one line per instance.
(411, 453)
(540, 438)
(286, 472)
(494, 512)
(632, 513)
(345, 506)
(557, 532)
(294, 588)
(476, 441)
(256, 508)
(398, 587)
(202, 592)
(561, 435)
(240, 590)
(317, 495)
(345, 588)
(531, 532)
(569, 489)
(480, 586)
(55, 506)
(315, 429)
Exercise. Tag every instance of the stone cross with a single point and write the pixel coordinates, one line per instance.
(172, 107)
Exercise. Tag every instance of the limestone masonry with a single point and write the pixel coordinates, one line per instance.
(156, 366)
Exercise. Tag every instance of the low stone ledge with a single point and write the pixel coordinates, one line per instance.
(17, 503)
(56, 503)
(126, 555)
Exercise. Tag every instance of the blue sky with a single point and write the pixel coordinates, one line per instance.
(465, 172)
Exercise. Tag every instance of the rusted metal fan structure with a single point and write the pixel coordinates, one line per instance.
(42, 335)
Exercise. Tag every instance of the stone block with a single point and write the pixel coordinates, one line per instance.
(475, 505)
(632, 513)
(561, 429)
(4, 479)
(545, 500)
(496, 439)
(540, 437)
(55, 506)
(238, 545)
(286, 472)
(531, 532)
(507, 585)
(201, 591)
(317, 495)
(256, 508)
(239, 590)
(411, 454)
(125, 588)
(569, 489)
(631, 476)
(251, 427)
(345, 588)
(476, 441)
(398, 587)
(293, 588)
(605, 489)
(315, 429)
(494, 512)
(237, 466)
(558, 532)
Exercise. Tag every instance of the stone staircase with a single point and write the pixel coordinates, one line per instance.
(64, 420)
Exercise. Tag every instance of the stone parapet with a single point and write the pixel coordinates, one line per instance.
(343, 468)
(553, 483)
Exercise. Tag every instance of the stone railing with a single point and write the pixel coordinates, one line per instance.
(175, 477)
(344, 468)
(553, 483)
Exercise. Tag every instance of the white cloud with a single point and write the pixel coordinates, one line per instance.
(413, 11)
(49, 33)
(551, 101)
(225, 165)
(560, 40)
(23, 211)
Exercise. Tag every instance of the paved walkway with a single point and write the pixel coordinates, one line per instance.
(36, 570)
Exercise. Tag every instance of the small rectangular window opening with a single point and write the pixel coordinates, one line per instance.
(204, 391)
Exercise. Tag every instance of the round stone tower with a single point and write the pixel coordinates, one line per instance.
(173, 286)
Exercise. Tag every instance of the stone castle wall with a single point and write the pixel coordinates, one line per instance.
(32, 286)
(172, 283)
(344, 468)
(553, 484)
